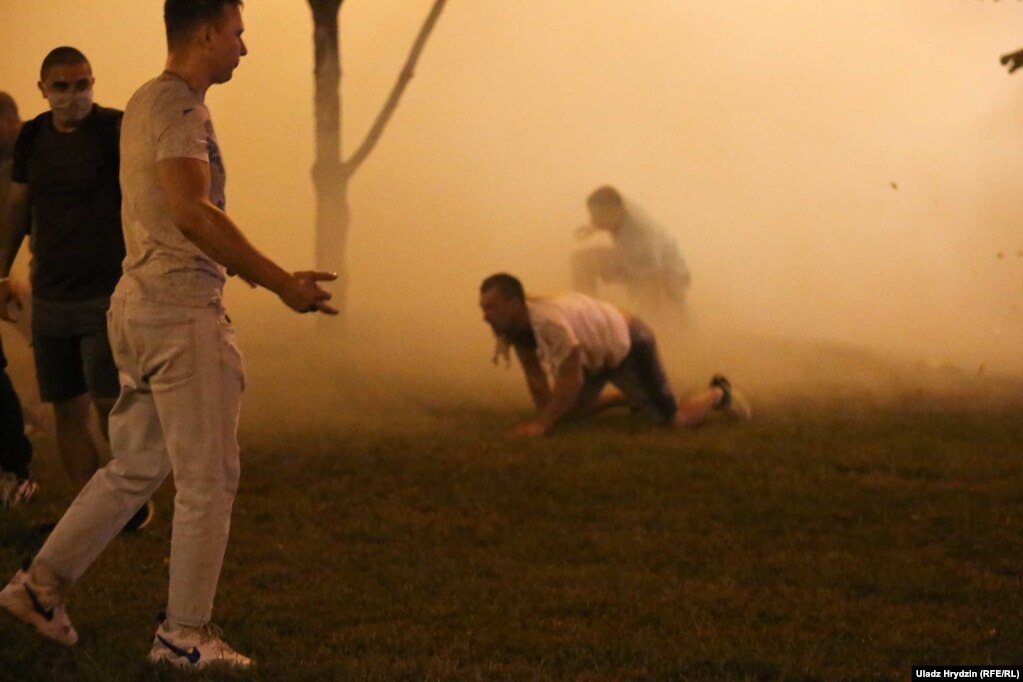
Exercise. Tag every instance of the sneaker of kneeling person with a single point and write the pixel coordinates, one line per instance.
(195, 648)
(142, 518)
(733, 403)
(39, 606)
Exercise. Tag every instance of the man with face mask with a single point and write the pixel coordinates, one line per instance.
(65, 196)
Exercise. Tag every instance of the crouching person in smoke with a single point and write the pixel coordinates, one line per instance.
(584, 344)
(643, 256)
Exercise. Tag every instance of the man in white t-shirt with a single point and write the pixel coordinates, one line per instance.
(180, 369)
(582, 344)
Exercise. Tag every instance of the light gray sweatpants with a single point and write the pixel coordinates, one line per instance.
(181, 384)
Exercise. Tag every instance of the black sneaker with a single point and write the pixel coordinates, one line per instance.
(142, 518)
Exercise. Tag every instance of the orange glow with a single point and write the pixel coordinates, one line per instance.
(846, 172)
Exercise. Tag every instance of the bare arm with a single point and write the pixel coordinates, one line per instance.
(186, 185)
(15, 224)
(536, 378)
(1014, 60)
(567, 385)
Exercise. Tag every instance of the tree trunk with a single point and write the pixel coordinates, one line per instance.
(330, 178)
(331, 174)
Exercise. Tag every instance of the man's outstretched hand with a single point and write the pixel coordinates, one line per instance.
(584, 232)
(1013, 60)
(303, 294)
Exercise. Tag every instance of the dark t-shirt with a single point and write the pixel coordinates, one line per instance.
(77, 243)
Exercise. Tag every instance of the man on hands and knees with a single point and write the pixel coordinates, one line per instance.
(181, 371)
(584, 344)
(65, 192)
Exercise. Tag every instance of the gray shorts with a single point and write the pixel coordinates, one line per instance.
(640, 376)
(72, 350)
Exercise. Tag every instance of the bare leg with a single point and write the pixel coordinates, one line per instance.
(103, 407)
(610, 398)
(695, 408)
(77, 448)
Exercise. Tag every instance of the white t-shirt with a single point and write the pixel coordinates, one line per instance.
(645, 247)
(165, 119)
(574, 320)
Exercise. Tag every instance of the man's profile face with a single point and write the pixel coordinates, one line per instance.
(224, 43)
(499, 311)
(605, 217)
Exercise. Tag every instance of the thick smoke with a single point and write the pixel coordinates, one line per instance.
(840, 176)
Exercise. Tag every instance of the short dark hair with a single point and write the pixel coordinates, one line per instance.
(508, 285)
(61, 56)
(605, 196)
(181, 16)
(8, 107)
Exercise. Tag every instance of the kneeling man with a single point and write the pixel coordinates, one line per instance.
(583, 344)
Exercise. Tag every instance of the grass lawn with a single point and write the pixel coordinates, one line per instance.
(844, 541)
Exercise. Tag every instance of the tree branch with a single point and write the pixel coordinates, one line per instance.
(1013, 60)
(373, 136)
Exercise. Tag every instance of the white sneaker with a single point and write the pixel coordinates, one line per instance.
(39, 606)
(732, 402)
(15, 491)
(195, 648)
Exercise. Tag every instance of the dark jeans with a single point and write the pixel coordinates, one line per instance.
(15, 450)
(640, 376)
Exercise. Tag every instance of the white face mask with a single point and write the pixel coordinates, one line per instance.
(70, 107)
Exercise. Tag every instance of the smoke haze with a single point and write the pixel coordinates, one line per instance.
(842, 172)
